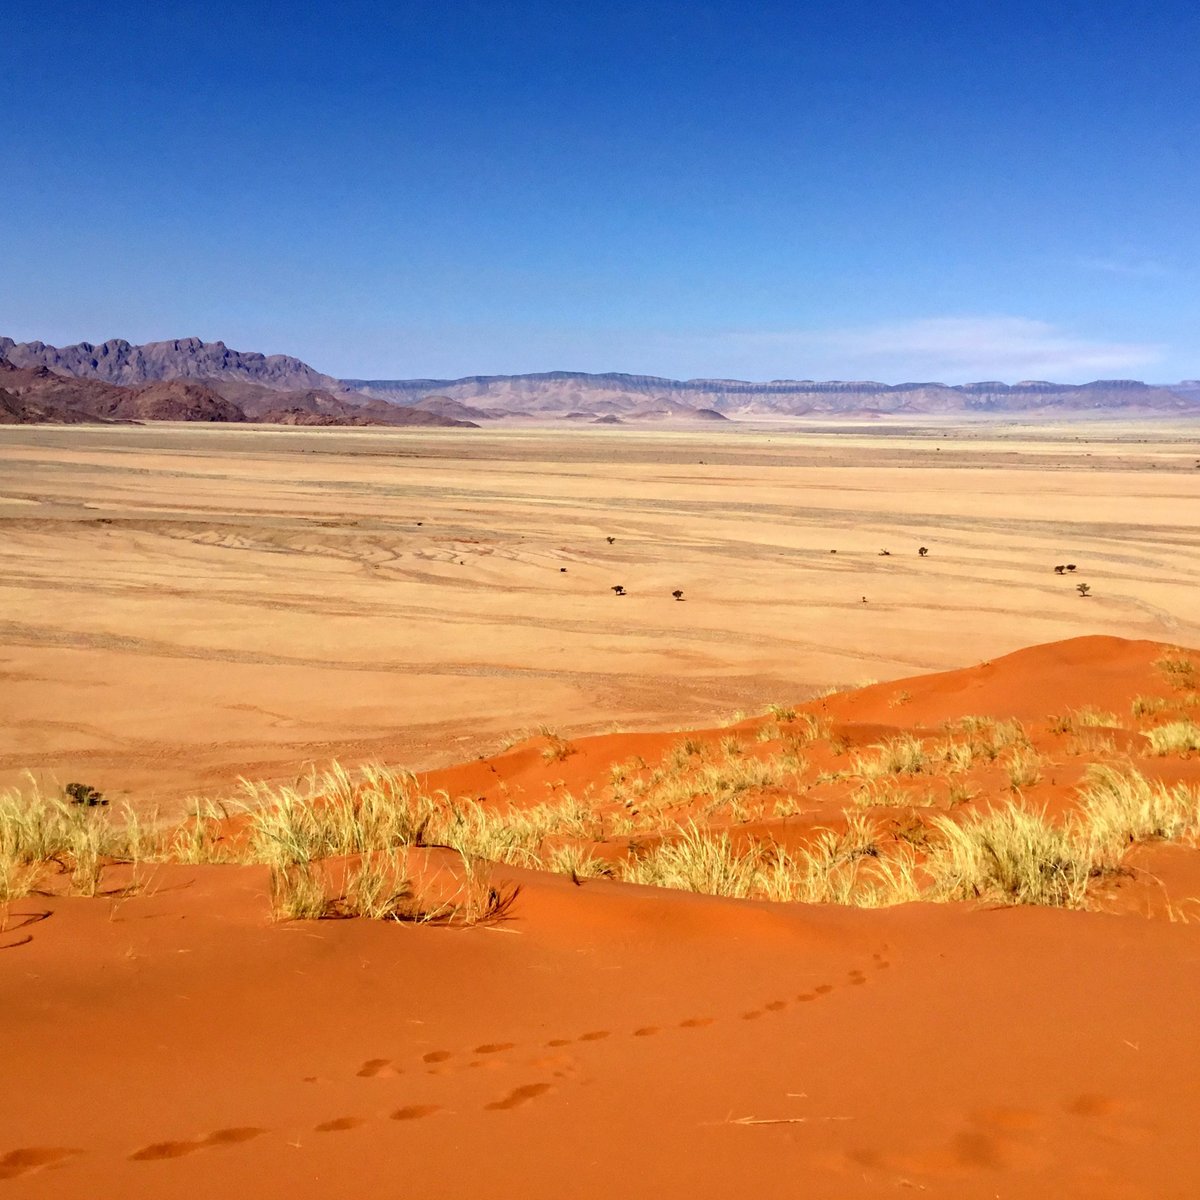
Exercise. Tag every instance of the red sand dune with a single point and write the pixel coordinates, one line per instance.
(616, 1041)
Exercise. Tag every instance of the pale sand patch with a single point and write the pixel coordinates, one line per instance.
(181, 605)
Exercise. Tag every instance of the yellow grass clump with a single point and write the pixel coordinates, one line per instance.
(1177, 737)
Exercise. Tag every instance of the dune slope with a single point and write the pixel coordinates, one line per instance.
(606, 1039)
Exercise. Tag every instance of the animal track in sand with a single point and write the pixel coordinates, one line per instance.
(519, 1096)
(414, 1112)
(339, 1124)
(33, 1158)
(375, 1068)
(490, 1052)
(1003, 1137)
(966, 1152)
(220, 1137)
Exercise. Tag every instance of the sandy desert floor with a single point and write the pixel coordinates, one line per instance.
(182, 605)
(831, 999)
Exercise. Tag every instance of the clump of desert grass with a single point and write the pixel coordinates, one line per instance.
(40, 832)
(1122, 808)
(333, 813)
(1143, 706)
(905, 755)
(1176, 737)
(1012, 854)
(1024, 767)
(339, 844)
(378, 888)
(1086, 717)
(841, 866)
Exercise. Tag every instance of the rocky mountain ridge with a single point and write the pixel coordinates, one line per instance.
(120, 362)
(278, 387)
(36, 395)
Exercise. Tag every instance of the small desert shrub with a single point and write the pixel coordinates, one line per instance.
(558, 750)
(84, 794)
(732, 746)
(783, 714)
(1178, 670)
(1146, 705)
(1178, 737)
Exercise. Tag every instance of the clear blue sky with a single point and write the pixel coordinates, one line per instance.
(908, 190)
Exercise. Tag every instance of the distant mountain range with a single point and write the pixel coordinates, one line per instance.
(559, 392)
(193, 380)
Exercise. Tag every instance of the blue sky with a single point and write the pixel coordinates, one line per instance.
(908, 190)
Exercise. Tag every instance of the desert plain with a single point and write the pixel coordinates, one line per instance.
(674, 905)
(183, 605)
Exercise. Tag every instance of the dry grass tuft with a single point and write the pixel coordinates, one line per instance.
(1011, 854)
(1121, 808)
(1177, 737)
(38, 832)
(1024, 767)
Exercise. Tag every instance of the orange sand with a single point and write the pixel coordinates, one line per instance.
(609, 1040)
